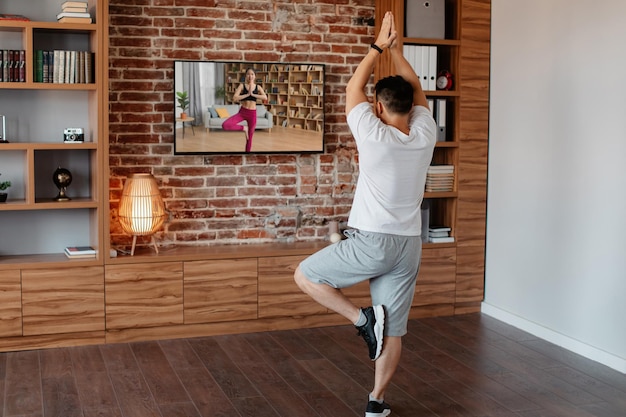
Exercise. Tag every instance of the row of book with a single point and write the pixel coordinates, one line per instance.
(440, 178)
(12, 65)
(69, 67)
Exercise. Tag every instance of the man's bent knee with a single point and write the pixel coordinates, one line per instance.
(300, 279)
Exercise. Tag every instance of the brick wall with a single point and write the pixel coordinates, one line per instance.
(232, 198)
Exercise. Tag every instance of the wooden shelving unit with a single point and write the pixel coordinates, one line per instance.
(48, 299)
(295, 92)
(442, 205)
(464, 51)
(36, 115)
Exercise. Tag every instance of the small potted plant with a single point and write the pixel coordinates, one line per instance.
(183, 103)
(220, 93)
(4, 185)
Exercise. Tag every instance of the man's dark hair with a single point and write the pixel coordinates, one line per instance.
(395, 93)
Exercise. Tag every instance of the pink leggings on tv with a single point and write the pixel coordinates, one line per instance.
(247, 115)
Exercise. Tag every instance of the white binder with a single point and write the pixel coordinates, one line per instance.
(440, 118)
(425, 66)
(432, 68)
(417, 60)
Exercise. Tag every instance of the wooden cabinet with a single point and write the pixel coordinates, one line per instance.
(188, 292)
(36, 114)
(220, 290)
(295, 92)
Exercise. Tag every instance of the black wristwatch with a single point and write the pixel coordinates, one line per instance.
(378, 48)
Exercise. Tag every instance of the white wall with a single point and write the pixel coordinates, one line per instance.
(556, 222)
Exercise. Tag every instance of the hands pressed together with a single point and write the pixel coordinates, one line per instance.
(387, 34)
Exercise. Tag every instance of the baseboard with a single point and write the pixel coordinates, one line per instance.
(583, 349)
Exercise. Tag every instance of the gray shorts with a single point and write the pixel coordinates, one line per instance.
(389, 262)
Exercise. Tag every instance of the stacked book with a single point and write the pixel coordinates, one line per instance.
(64, 67)
(74, 12)
(440, 178)
(439, 234)
(80, 252)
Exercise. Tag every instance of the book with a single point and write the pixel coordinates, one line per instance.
(88, 68)
(75, 20)
(9, 16)
(72, 14)
(75, 9)
(21, 68)
(65, 77)
(437, 228)
(449, 239)
(82, 4)
(39, 66)
(87, 256)
(73, 251)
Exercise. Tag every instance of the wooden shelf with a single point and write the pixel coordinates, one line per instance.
(44, 261)
(49, 204)
(42, 146)
(432, 42)
(31, 24)
(48, 86)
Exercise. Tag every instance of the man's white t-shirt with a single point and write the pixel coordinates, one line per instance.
(392, 171)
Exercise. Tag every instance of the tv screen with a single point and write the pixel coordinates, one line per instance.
(214, 109)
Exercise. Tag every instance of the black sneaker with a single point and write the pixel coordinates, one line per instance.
(376, 409)
(372, 330)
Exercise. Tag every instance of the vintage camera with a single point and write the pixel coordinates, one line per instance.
(73, 134)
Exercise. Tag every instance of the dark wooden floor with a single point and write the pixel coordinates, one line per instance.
(468, 365)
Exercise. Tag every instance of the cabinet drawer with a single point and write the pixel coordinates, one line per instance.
(144, 295)
(436, 277)
(65, 300)
(10, 304)
(220, 290)
(279, 296)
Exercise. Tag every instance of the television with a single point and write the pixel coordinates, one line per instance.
(290, 119)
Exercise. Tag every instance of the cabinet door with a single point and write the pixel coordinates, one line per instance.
(63, 300)
(144, 295)
(220, 290)
(436, 278)
(279, 296)
(10, 304)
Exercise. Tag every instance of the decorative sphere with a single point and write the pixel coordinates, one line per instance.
(335, 237)
(62, 177)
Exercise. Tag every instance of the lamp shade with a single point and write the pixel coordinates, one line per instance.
(141, 210)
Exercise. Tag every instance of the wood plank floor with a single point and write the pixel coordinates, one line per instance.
(470, 365)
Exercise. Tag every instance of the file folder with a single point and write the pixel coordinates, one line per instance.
(440, 118)
(432, 68)
(424, 50)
